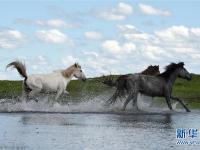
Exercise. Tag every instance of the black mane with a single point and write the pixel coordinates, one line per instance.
(170, 69)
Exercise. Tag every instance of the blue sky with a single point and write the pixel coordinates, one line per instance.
(103, 36)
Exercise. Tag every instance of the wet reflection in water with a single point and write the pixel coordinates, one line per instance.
(94, 131)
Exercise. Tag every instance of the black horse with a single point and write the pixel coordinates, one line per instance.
(154, 86)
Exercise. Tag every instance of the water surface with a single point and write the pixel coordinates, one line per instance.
(91, 131)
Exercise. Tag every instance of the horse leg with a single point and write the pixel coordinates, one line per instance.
(24, 93)
(34, 92)
(59, 92)
(66, 92)
(168, 102)
(131, 95)
(135, 106)
(113, 99)
(181, 102)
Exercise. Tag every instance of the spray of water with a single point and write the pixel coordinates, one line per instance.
(96, 104)
(150, 104)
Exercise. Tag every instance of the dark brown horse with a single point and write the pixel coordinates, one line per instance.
(122, 82)
(150, 70)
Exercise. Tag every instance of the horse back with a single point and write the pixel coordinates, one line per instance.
(147, 85)
(46, 81)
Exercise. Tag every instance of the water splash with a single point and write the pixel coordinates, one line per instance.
(96, 104)
(150, 104)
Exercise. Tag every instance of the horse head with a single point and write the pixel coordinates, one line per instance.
(183, 73)
(78, 72)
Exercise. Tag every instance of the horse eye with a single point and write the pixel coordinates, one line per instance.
(80, 70)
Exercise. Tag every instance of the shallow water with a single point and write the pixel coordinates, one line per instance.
(90, 125)
(91, 131)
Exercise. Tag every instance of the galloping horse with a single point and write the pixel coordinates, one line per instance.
(150, 70)
(160, 85)
(122, 82)
(52, 82)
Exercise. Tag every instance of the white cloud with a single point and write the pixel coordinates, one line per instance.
(130, 32)
(53, 36)
(55, 23)
(176, 43)
(10, 39)
(124, 8)
(93, 35)
(173, 33)
(69, 60)
(114, 47)
(149, 10)
(111, 46)
(153, 52)
(173, 44)
(119, 13)
(58, 23)
(128, 28)
(195, 31)
(90, 53)
(111, 16)
(41, 60)
(100, 64)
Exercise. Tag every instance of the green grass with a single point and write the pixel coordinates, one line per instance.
(189, 91)
(186, 90)
(10, 89)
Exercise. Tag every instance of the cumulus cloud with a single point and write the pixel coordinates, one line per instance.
(53, 36)
(55, 23)
(114, 47)
(173, 43)
(10, 39)
(130, 32)
(174, 33)
(119, 13)
(97, 64)
(90, 53)
(93, 35)
(69, 60)
(149, 10)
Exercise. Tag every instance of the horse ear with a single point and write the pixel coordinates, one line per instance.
(76, 65)
(181, 64)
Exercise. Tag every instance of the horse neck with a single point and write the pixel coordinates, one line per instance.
(68, 73)
(172, 77)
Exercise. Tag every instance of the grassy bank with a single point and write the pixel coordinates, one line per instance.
(187, 90)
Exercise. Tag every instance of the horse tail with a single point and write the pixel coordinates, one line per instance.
(121, 84)
(21, 68)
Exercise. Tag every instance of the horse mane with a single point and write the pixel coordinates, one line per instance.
(151, 70)
(170, 69)
(68, 72)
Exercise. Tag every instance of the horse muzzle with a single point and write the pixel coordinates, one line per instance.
(84, 79)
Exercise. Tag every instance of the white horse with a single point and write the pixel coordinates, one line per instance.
(56, 81)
